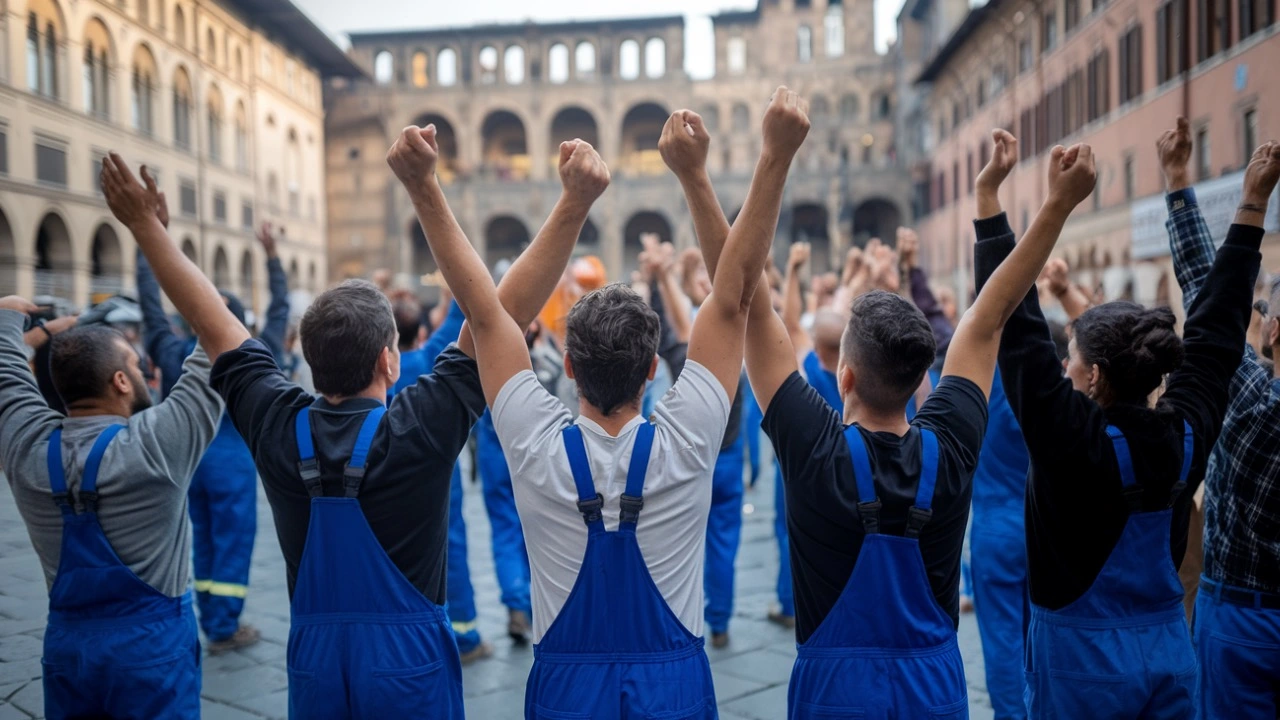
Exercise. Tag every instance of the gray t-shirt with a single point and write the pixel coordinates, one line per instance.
(143, 480)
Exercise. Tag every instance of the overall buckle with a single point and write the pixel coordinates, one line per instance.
(630, 507)
(870, 512)
(591, 509)
(351, 479)
(917, 518)
(89, 500)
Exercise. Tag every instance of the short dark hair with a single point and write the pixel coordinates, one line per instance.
(611, 338)
(1134, 347)
(84, 359)
(343, 333)
(890, 346)
(408, 314)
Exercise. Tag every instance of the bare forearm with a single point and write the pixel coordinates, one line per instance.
(463, 270)
(770, 356)
(191, 292)
(709, 222)
(676, 307)
(791, 300)
(747, 246)
(988, 200)
(533, 277)
(1015, 276)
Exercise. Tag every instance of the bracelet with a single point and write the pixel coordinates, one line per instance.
(1250, 207)
(40, 324)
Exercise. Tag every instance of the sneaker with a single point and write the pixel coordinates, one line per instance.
(243, 637)
(518, 627)
(787, 621)
(479, 652)
(719, 640)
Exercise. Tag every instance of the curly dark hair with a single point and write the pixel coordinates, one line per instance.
(611, 338)
(1134, 347)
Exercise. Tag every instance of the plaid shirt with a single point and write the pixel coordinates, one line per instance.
(1242, 482)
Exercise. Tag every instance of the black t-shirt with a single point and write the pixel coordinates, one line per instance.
(405, 494)
(822, 496)
(1076, 510)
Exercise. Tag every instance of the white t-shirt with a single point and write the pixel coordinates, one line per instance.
(689, 425)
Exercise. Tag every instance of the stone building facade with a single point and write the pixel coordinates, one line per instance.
(224, 99)
(504, 96)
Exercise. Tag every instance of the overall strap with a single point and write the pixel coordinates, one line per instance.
(590, 503)
(632, 499)
(1188, 453)
(1128, 479)
(57, 476)
(922, 511)
(353, 473)
(308, 468)
(868, 503)
(89, 481)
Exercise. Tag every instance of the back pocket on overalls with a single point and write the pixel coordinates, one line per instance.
(408, 692)
(813, 711)
(704, 710)
(958, 710)
(537, 712)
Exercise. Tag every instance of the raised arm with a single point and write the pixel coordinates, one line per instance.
(977, 339)
(496, 318)
(273, 331)
(918, 286)
(717, 339)
(792, 301)
(659, 261)
(1073, 299)
(684, 145)
(24, 415)
(163, 346)
(194, 295)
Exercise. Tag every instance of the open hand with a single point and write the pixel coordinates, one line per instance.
(266, 239)
(1004, 155)
(1174, 149)
(130, 202)
(583, 173)
(684, 143)
(908, 247)
(786, 123)
(157, 198)
(1261, 175)
(1071, 174)
(413, 157)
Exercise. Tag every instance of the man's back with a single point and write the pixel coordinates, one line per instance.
(690, 422)
(825, 528)
(404, 494)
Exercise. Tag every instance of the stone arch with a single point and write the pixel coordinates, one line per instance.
(569, 122)
(876, 217)
(809, 223)
(446, 139)
(106, 258)
(54, 257)
(189, 249)
(505, 237)
(8, 258)
(504, 145)
(221, 270)
(641, 129)
(640, 223)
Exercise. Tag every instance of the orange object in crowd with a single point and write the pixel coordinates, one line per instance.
(584, 275)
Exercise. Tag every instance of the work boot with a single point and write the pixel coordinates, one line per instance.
(518, 626)
(243, 637)
(479, 652)
(787, 621)
(720, 640)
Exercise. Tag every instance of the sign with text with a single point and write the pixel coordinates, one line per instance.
(1218, 199)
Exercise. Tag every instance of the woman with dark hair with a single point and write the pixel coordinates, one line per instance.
(1113, 471)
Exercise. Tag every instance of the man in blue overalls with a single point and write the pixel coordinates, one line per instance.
(224, 491)
(878, 507)
(359, 491)
(614, 507)
(415, 362)
(103, 492)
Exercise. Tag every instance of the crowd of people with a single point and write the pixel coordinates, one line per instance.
(615, 428)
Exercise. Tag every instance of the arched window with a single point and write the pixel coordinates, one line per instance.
(488, 64)
(210, 47)
(558, 63)
(44, 29)
(711, 118)
(513, 65)
(420, 77)
(584, 61)
(242, 138)
(179, 27)
(97, 70)
(144, 12)
(849, 107)
(655, 58)
(182, 109)
(145, 81)
(629, 60)
(447, 67)
(741, 117)
(293, 173)
(737, 55)
(239, 64)
(804, 44)
(213, 119)
(383, 67)
(833, 27)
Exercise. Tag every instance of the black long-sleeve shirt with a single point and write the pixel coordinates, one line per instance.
(1075, 509)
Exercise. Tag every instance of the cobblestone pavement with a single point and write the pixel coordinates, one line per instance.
(750, 675)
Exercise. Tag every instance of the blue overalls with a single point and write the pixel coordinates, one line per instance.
(886, 650)
(510, 559)
(115, 646)
(363, 642)
(616, 650)
(1123, 649)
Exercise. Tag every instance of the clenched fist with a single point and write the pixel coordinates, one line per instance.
(1071, 174)
(684, 143)
(786, 123)
(798, 256)
(1004, 155)
(1174, 149)
(908, 247)
(413, 157)
(583, 174)
(1261, 175)
(1055, 276)
(17, 304)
